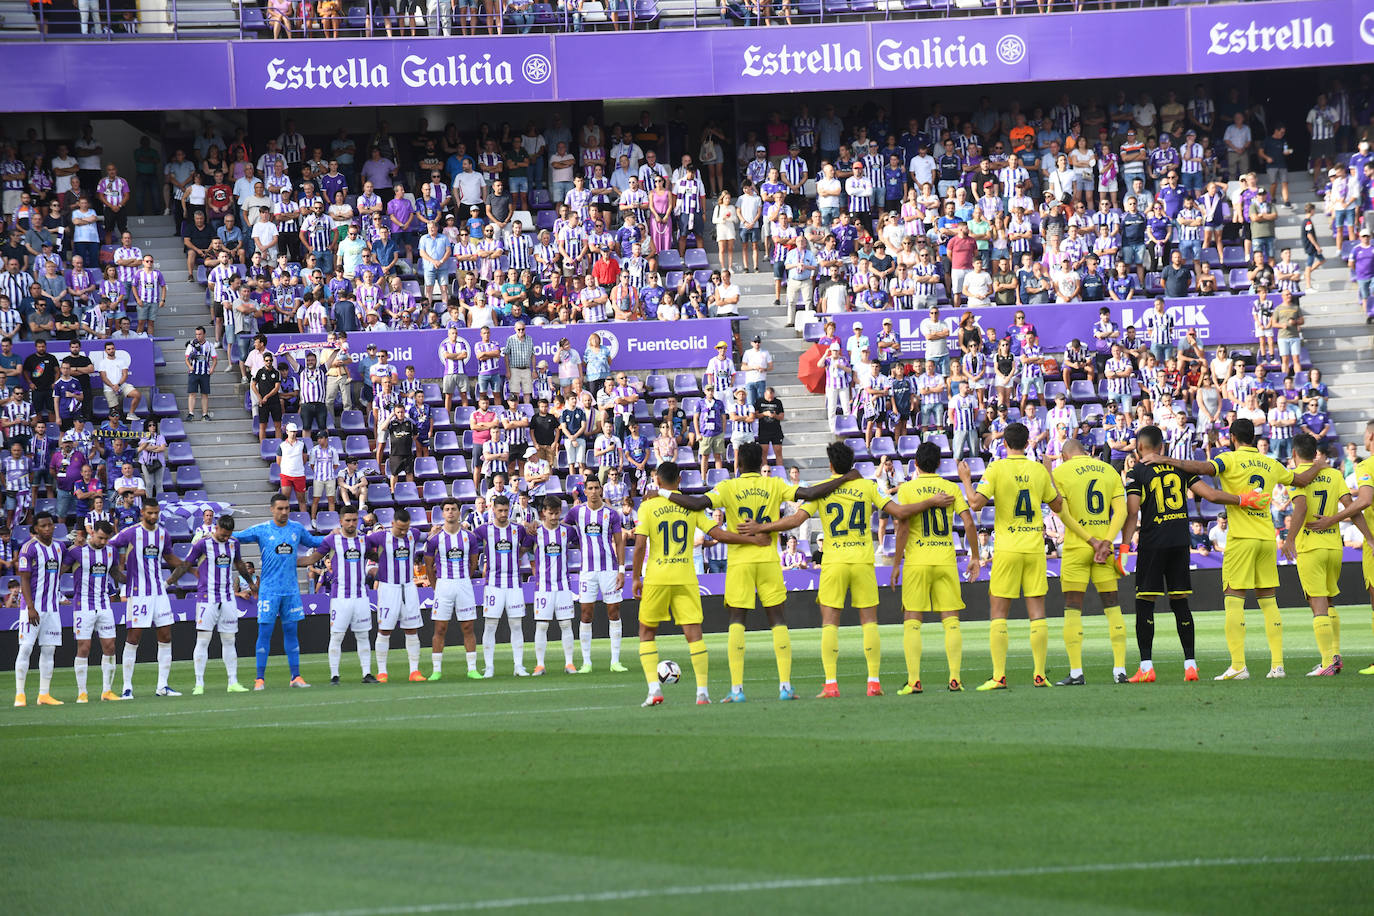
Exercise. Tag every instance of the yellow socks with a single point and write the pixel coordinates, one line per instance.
(1073, 637)
(700, 663)
(735, 654)
(830, 652)
(1116, 632)
(911, 648)
(782, 648)
(1321, 625)
(997, 646)
(648, 660)
(1335, 630)
(873, 650)
(954, 646)
(1040, 644)
(1273, 630)
(1235, 630)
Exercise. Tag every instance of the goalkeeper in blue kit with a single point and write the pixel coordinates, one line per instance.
(279, 591)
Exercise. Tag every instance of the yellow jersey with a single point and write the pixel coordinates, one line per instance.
(930, 534)
(1364, 477)
(1323, 498)
(670, 530)
(1240, 471)
(845, 517)
(752, 497)
(1091, 490)
(1017, 486)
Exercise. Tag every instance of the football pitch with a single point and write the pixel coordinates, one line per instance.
(560, 792)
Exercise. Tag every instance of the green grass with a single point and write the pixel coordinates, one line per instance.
(535, 794)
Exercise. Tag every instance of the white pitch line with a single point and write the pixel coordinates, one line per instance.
(645, 893)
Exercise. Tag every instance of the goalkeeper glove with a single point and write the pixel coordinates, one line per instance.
(1254, 499)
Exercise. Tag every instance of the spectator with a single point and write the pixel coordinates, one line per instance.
(518, 352)
(1287, 322)
(756, 363)
(114, 369)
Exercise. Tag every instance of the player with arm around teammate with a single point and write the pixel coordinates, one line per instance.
(752, 572)
(599, 529)
(92, 565)
(398, 600)
(925, 569)
(40, 562)
(550, 540)
(217, 560)
(448, 564)
(499, 543)
(349, 607)
(848, 568)
(146, 547)
(665, 581)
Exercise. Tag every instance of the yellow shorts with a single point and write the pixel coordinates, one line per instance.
(678, 603)
(931, 588)
(1077, 569)
(857, 580)
(745, 580)
(1319, 571)
(1015, 575)
(1250, 563)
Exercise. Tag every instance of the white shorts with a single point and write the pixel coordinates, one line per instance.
(100, 623)
(350, 614)
(217, 615)
(496, 601)
(453, 598)
(48, 628)
(598, 586)
(548, 605)
(398, 603)
(149, 611)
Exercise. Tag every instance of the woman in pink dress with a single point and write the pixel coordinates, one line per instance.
(661, 215)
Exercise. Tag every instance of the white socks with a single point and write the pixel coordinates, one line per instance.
(164, 663)
(364, 652)
(130, 656)
(1146, 665)
(584, 636)
(80, 666)
(436, 661)
(21, 661)
(413, 650)
(615, 642)
(541, 642)
(517, 642)
(381, 648)
(335, 653)
(107, 672)
(472, 661)
(201, 655)
(489, 643)
(565, 631)
(45, 654)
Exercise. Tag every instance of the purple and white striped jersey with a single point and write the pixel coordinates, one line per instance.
(551, 546)
(214, 562)
(396, 556)
(148, 285)
(597, 530)
(143, 563)
(91, 576)
(44, 566)
(350, 566)
(451, 553)
(501, 546)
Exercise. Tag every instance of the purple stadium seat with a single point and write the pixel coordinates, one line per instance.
(435, 491)
(715, 476)
(188, 478)
(446, 443)
(846, 426)
(267, 449)
(173, 430)
(691, 481)
(164, 404)
(464, 490)
(353, 421)
(860, 448)
(179, 453)
(545, 219)
(696, 259)
(907, 445)
(685, 385)
(326, 521)
(442, 418)
(406, 494)
(1054, 389)
(669, 259)
(881, 446)
(356, 446)
(455, 466)
(656, 386)
(379, 494)
(1237, 280)
(427, 468)
(1081, 391)
(178, 528)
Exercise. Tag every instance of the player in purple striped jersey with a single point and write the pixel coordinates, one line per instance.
(398, 600)
(550, 542)
(217, 560)
(145, 546)
(448, 564)
(598, 527)
(40, 568)
(499, 543)
(91, 566)
(349, 607)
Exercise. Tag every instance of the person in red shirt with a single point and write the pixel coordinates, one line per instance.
(961, 250)
(606, 270)
(219, 199)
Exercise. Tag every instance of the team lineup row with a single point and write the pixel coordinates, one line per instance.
(1087, 494)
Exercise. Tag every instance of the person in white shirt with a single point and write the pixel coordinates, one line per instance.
(978, 285)
(922, 167)
(113, 367)
(265, 236)
(756, 363)
(469, 187)
(749, 207)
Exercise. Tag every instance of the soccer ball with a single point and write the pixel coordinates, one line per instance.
(668, 672)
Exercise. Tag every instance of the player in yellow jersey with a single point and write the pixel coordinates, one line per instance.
(1250, 562)
(847, 563)
(1318, 554)
(1361, 511)
(752, 570)
(926, 570)
(668, 590)
(1016, 486)
(1095, 506)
